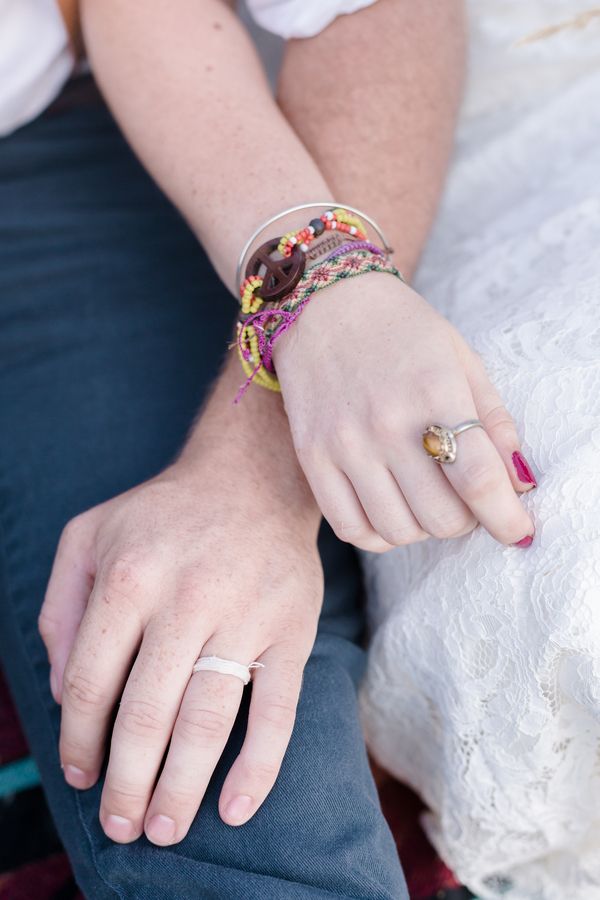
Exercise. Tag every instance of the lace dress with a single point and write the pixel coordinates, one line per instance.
(483, 685)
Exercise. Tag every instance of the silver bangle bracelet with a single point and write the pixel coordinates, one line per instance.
(357, 212)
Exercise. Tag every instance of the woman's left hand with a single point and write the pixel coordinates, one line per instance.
(365, 369)
(190, 563)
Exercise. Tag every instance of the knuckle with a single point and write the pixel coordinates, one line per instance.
(48, 626)
(264, 771)
(343, 435)
(290, 667)
(179, 794)
(349, 532)
(74, 530)
(359, 536)
(202, 725)
(365, 540)
(75, 751)
(428, 387)
(402, 535)
(387, 425)
(140, 718)
(480, 480)
(373, 543)
(122, 575)
(258, 771)
(308, 451)
(277, 713)
(82, 693)
(499, 422)
(190, 596)
(122, 797)
(451, 525)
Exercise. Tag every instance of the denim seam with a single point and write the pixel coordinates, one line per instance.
(316, 887)
(21, 633)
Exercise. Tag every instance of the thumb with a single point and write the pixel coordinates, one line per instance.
(66, 597)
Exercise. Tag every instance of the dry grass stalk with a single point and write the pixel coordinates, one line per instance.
(580, 21)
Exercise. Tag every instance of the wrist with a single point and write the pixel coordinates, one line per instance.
(248, 448)
(272, 504)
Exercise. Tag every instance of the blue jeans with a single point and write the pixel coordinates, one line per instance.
(112, 326)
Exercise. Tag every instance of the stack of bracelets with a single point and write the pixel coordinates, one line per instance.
(284, 273)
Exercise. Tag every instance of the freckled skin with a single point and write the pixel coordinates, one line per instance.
(197, 137)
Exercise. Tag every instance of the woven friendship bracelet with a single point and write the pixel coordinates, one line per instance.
(277, 266)
(261, 328)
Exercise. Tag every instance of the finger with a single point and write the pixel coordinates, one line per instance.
(67, 594)
(202, 728)
(385, 505)
(337, 500)
(95, 673)
(435, 504)
(143, 727)
(499, 425)
(479, 475)
(275, 693)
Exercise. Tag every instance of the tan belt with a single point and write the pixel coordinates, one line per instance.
(69, 9)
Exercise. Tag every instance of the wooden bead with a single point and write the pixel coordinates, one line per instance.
(279, 276)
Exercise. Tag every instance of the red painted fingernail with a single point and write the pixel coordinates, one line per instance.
(523, 469)
(524, 542)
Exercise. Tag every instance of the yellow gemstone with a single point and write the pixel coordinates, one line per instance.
(432, 443)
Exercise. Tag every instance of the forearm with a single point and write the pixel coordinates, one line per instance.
(190, 94)
(379, 120)
(192, 99)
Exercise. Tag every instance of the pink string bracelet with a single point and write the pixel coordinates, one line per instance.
(349, 247)
(255, 340)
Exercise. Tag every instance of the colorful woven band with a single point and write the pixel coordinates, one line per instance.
(277, 266)
(261, 328)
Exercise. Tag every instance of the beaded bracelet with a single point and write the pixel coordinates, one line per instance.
(258, 331)
(270, 278)
(306, 206)
(333, 219)
(251, 303)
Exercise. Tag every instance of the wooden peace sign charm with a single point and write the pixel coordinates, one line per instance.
(280, 276)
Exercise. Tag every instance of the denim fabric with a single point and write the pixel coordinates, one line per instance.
(112, 325)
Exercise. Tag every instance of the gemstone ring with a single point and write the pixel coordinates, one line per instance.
(439, 441)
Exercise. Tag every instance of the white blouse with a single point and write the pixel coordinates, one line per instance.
(36, 59)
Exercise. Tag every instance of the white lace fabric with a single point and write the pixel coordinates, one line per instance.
(483, 685)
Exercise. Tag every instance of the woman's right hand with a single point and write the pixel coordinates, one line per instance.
(365, 369)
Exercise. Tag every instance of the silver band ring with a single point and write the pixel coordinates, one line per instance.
(439, 441)
(226, 667)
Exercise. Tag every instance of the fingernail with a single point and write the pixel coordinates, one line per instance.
(524, 542)
(77, 778)
(237, 810)
(523, 470)
(160, 830)
(54, 684)
(118, 828)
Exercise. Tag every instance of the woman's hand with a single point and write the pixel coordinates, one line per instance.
(365, 369)
(201, 560)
